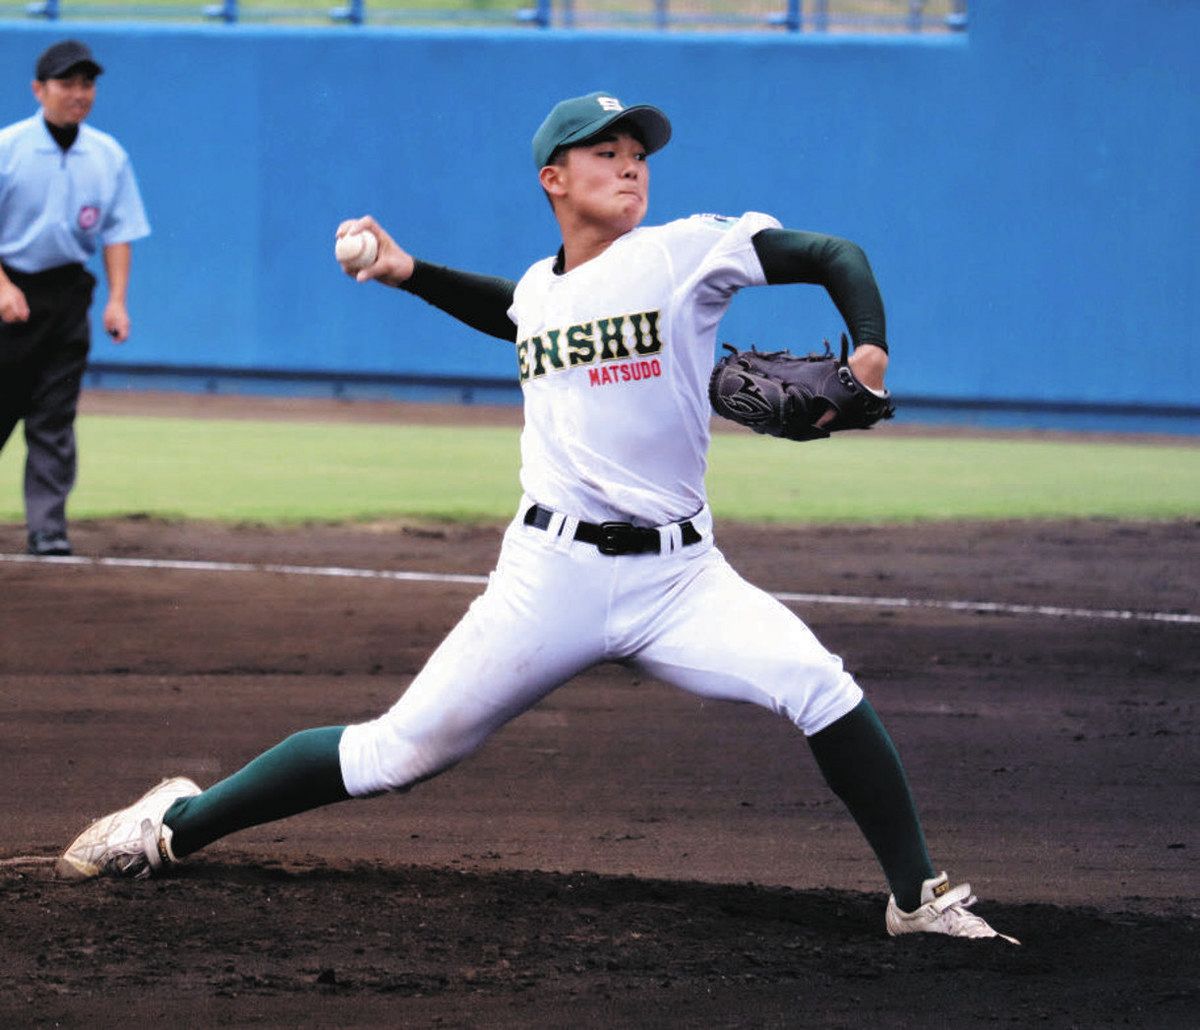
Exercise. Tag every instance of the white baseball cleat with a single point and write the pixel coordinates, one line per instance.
(132, 842)
(943, 910)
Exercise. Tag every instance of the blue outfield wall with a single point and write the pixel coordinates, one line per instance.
(1028, 192)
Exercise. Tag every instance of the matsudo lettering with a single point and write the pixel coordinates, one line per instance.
(626, 372)
(605, 339)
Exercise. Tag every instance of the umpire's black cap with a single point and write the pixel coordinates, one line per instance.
(580, 118)
(68, 56)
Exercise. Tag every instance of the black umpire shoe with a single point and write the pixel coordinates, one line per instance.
(49, 545)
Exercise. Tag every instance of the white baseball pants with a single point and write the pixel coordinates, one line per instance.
(555, 606)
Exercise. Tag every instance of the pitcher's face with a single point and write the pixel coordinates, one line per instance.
(606, 182)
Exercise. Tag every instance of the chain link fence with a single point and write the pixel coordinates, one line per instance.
(845, 16)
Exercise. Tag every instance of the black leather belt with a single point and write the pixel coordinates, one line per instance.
(614, 537)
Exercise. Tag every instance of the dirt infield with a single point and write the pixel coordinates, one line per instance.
(622, 855)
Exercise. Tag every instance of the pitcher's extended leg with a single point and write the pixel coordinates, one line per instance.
(300, 773)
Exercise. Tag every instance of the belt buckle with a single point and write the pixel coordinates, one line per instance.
(614, 538)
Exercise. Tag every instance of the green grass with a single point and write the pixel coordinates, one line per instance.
(292, 472)
(865, 477)
(284, 471)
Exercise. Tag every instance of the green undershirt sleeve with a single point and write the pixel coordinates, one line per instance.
(480, 301)
(793, 256)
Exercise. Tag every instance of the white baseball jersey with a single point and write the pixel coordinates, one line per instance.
(615, 357)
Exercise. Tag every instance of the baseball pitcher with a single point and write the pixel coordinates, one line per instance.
(610, 554)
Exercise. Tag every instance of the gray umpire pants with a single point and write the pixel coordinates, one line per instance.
(41, 370)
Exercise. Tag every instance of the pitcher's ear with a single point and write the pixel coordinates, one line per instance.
(551, 178)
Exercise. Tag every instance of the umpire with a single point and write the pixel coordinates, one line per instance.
(66, 191)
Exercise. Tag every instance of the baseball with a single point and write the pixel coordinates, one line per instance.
(356, 250)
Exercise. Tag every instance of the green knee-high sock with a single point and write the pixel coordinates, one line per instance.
(302, 772)
(862, 767)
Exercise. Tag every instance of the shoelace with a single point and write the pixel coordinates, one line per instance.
(952, 910)
(128, 863)
(137, 859)
(967, 924)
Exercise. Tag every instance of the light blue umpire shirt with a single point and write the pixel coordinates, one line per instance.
(57, 208)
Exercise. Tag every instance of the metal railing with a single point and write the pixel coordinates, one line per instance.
(649, 15)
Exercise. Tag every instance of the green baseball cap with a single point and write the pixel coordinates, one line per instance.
(581, 118)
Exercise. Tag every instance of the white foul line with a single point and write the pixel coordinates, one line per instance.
(994, 608)
(237, 566)
(979, 607)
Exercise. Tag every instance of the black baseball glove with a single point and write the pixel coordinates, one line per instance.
(781, 394)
